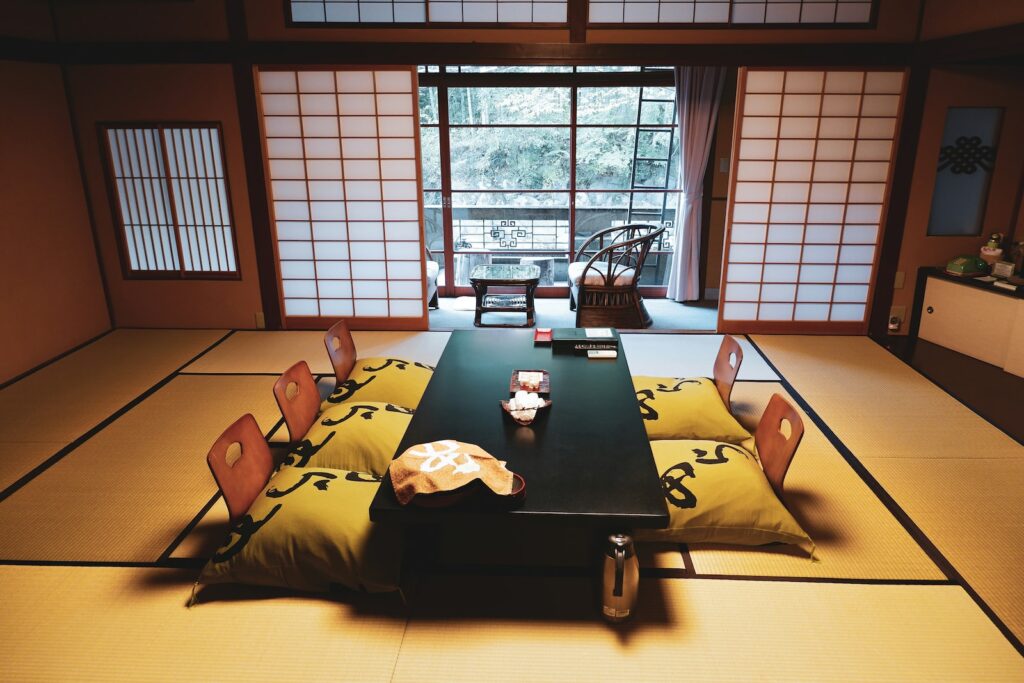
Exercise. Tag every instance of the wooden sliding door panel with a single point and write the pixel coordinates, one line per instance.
(343, 159)
(812, 159)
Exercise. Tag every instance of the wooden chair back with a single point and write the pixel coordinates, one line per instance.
(241, 464)
(342, 349)
(773, 447)
(727, 366)
(298, 398)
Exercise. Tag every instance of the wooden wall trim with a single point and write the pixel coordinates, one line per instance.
(899, 200)
(252, 151)
(281, 53)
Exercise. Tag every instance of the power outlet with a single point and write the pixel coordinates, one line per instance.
(897, 314)
(261, 322)
(898, 281)
(723, 165)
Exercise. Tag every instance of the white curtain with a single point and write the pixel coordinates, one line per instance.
(698, 91)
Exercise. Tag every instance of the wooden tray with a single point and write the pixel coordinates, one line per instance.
(545, 382)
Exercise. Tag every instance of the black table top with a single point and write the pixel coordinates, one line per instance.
(586, 461)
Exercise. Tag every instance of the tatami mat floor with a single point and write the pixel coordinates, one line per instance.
(957, 477)
(121, 502)
(62, 401)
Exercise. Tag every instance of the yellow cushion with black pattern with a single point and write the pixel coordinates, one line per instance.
(686, 408)
(717, 493)
(358, 436)
(390, 380)
(308, 530)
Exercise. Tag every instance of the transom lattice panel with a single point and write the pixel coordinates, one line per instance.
(752, 12)
(343, 163)
(429, 11)
(812, 158)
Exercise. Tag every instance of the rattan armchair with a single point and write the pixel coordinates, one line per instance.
(605, 275)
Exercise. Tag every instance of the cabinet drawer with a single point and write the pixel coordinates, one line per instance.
(968, 320)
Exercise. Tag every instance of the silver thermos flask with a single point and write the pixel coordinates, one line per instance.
(621, 578)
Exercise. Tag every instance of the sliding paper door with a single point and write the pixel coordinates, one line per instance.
(812, 162)
(342, 152)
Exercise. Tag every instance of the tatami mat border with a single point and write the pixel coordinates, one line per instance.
(890, 503)
(166, 555)
(79, 347)
(56, 457)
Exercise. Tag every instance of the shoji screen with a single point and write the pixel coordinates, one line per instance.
(343, 157)
(812, 157)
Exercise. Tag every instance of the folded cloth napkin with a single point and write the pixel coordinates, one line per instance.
(446, 466)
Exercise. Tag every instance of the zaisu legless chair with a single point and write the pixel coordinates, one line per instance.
(727, 367)
(298, 398)
(774, 449)
(241, 464)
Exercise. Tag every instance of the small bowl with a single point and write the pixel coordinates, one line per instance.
(524, 423)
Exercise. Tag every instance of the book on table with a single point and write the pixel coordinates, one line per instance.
(583, 339)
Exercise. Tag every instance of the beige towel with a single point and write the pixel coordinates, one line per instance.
(446, 466)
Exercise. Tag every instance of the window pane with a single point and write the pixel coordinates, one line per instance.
(604, 158)
(605, 69)
(508, 69)
(428, 105)
(966, 160)
(511, 221)
(656, 270)
(651, 173)
(599, 210)
(607, 105)
(490, 106)
(431, 151)
(655, 113)
(510, 158)
(654, 144)
(433, 227)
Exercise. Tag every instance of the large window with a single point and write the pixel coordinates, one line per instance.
(525, 173)
(172, 202)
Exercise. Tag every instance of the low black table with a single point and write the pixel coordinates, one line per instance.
(504, 275)
(586, 459)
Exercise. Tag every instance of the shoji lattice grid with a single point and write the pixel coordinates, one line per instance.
(730, 12)
(342, 156)
(428, 11)
(811, 174)
(172, 198)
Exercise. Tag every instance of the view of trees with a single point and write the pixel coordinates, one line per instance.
(492, 150)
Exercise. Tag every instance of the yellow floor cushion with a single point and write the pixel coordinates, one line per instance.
(686, 408)
(391, 380)
(309, 529)
(358, 436)
(716, 492)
